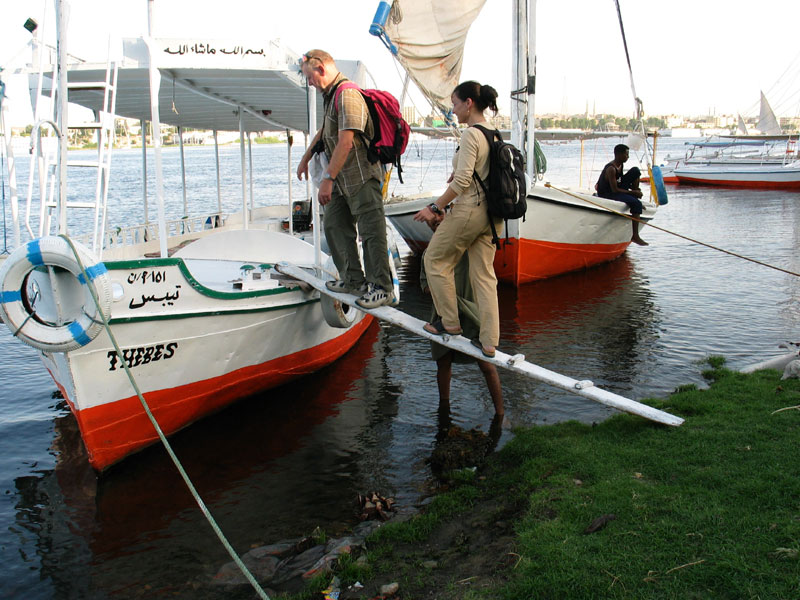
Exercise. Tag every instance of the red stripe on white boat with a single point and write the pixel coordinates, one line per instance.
(773, 185)
(531, 260)
(113, 431)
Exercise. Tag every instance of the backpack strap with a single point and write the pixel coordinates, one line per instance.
(489, 135)
(340, 87)
(373, 115)
(335, 93)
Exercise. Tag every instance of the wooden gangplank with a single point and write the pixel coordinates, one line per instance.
(515, 363)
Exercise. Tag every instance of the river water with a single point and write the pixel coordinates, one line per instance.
(282, 463)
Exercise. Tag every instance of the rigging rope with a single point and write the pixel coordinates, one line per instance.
(629, 217)
(636, 100)
(203, 508)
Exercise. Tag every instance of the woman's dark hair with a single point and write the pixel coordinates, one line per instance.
(484, 96)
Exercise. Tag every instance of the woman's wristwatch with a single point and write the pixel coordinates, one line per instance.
(435, 208)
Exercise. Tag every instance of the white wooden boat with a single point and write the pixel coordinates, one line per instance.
(766, 159)
(785, 177)
(563, 230)
(197, 317)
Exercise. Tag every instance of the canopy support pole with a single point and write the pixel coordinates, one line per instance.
(155, 84)
(183, 171)
(245, 215)
(250, 175)
(311, 97)
(289, 178)
(143, 125)
(216, 163)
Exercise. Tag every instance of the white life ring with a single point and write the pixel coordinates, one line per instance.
(79, 321)
(336, 314)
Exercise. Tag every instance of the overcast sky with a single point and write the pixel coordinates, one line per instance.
(689, 57)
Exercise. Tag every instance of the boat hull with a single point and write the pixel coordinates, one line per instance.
(767, 177)
(182, 389)
(564, 230)
(196, 331)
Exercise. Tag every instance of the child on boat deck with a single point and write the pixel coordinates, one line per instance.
(613, 185)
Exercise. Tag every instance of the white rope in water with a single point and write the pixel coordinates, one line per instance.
(203, 508)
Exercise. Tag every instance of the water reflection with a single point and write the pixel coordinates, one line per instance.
(279, 464)
(271, 467)
(592, 324)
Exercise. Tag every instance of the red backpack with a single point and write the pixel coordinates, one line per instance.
(391, 130)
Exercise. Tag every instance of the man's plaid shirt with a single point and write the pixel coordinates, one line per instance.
(352, 114)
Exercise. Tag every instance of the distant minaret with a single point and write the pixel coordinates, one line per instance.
(586, 114)
(594, 107)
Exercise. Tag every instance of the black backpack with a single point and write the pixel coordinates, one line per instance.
(506, 190)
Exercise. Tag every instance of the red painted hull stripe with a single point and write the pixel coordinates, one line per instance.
(519, 262)
(773, 185)
(113, 431)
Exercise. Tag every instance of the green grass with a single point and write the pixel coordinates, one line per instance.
(710, 509)
(702, 510)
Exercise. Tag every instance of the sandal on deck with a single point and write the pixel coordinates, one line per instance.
(437, 328)
(477, 343)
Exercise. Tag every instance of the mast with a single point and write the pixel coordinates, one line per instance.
(518, 27)
(523, 80)
(530, 86)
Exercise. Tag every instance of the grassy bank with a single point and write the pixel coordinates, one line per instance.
(710, 509)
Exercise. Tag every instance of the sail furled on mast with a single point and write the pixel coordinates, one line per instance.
(767, 123)
(430, 38)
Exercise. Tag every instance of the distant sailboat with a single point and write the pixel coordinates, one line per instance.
(767, 160)
(741, 128)
(767, 123)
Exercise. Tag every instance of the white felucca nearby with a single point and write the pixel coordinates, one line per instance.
(198, 319)
(564, 229)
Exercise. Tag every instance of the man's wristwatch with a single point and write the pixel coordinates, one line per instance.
(327, 175)
(435, 208)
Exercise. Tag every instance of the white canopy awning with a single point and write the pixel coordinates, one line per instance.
(205, 90)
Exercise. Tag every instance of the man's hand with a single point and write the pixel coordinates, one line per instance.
(302, 168)
(325, 191)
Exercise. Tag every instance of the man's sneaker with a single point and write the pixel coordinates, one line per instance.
(342, 288)
(376, 296)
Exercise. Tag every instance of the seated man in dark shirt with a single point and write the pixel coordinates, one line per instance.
(613, 185)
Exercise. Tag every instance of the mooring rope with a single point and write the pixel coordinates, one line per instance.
(261, 593)
(611, 210)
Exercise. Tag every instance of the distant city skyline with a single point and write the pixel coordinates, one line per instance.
(688, 58)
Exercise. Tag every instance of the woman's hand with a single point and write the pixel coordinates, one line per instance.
(426, 215)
